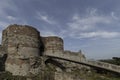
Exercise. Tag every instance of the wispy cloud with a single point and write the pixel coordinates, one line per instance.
(99, 34)
(88, 26)
(11, 18)
(3, 24)
(88, 22)
(114, 16)
(48, 33)
(7, 5)
(45, 18)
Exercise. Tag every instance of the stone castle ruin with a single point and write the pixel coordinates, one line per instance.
(23, 46)
(24, 52)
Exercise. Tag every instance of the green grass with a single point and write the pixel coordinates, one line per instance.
(8, 76)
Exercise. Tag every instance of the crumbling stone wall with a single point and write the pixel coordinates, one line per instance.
(63, 70)
(22, 45)
(70, 72)
(74, 55)
(53, 45)
(25, 53)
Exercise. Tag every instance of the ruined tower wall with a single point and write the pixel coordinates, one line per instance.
(53, 45)
(22, 39)
(23, 47)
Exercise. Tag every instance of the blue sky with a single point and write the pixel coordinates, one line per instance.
(92, 26)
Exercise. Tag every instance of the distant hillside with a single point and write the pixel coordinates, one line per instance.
(114, 60)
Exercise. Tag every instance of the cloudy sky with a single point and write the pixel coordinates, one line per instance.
(92, 26)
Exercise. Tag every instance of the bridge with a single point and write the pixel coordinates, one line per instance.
(76, 59)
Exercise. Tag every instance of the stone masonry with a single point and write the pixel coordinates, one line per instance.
(53, 45)
(27, 50)
(24, 46)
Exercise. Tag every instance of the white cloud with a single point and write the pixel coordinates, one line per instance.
(99, 34)
(88, 26)
(45, 18)
(48, 33)
(92, 11)
(3, 24)
(5, 18)
(11, 18)
(114, 16)
(86, 23)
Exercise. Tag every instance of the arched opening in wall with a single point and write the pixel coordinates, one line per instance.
(56, 63)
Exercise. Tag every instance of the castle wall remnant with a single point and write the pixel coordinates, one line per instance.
(26, 51)
(22, 45)
(74, 55)
(53, 45)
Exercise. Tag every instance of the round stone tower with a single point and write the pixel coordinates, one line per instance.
(53, 45)
(22, 44)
